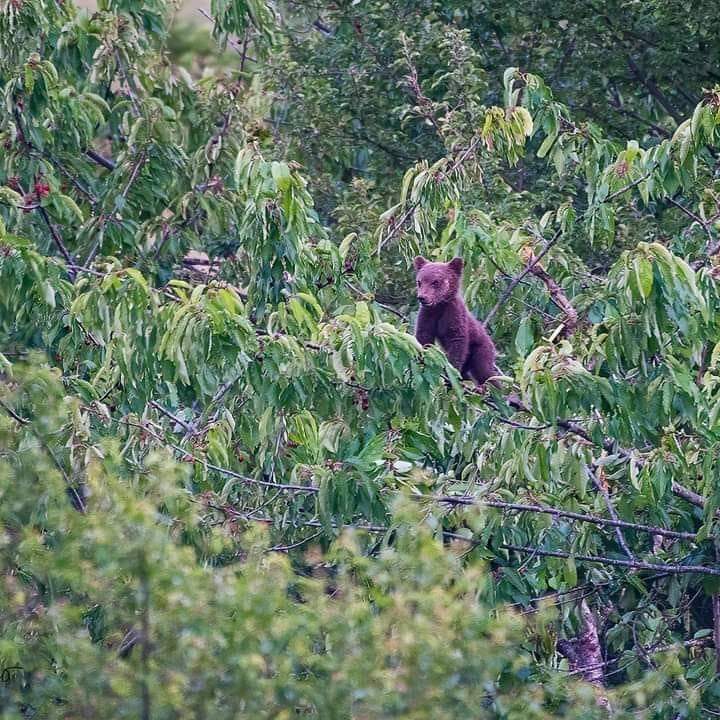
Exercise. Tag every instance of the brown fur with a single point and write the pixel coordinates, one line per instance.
(444, 317)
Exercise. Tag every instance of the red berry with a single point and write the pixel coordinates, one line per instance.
(41, 189)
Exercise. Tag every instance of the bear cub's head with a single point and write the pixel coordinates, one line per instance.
(437, 282)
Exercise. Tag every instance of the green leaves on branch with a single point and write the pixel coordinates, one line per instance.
(278, 225)
(239, 17)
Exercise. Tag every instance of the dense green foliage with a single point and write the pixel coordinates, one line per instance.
(232, 482)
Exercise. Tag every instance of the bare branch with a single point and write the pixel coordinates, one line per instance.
(304, 541)
(177, 420)
(584, 652)
(57, 239)
(593, 475)
(557, 512)
(673, 569)
(13, 414)
(100, 160)
(557, 295)
(189, 457)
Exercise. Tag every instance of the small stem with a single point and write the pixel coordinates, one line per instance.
(58, 241)
(518, 278)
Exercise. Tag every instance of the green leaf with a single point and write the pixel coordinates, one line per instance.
(643, 270)
(525, 337)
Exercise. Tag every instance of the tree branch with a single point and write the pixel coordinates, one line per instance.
(653, 89)
(400, 224)
(519, 277)
(607, 444)
(584, 652)
(557, 294)
(558, 512)
(58, 242)
(13, 414)
(100, 160)
(179, 421)
(673, 569)
(627, 187)
(611, 509)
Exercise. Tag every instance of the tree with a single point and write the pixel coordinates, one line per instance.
(191, 347)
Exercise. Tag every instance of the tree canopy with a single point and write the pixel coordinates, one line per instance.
(231, 480)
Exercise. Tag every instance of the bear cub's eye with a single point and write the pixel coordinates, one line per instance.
(436, 283)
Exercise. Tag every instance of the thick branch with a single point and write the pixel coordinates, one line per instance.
(653, 89)
(100, 160)
(584, 653)
(557, 295)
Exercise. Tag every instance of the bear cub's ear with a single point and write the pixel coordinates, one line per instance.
(456, 265)
(419, 262)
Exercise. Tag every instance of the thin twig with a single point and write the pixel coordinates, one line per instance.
(77, 498)
(608, 444)
(519, 277)
(131, 89)
(557, 512)
(603, 560)
(627, 187)
(13, 414)
(712, 246)
(134, 174)
(285, 548)
(58, 241)
(645, 651)
(611, 509)
(400, 224)
(179, 421)
(465, 500)
(634, 565)
(72, 178)
(221, 392)
(189, 457)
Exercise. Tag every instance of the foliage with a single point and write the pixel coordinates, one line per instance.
(401, 633)
(205, 327)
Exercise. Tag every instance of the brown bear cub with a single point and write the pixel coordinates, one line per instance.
(444, 317)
